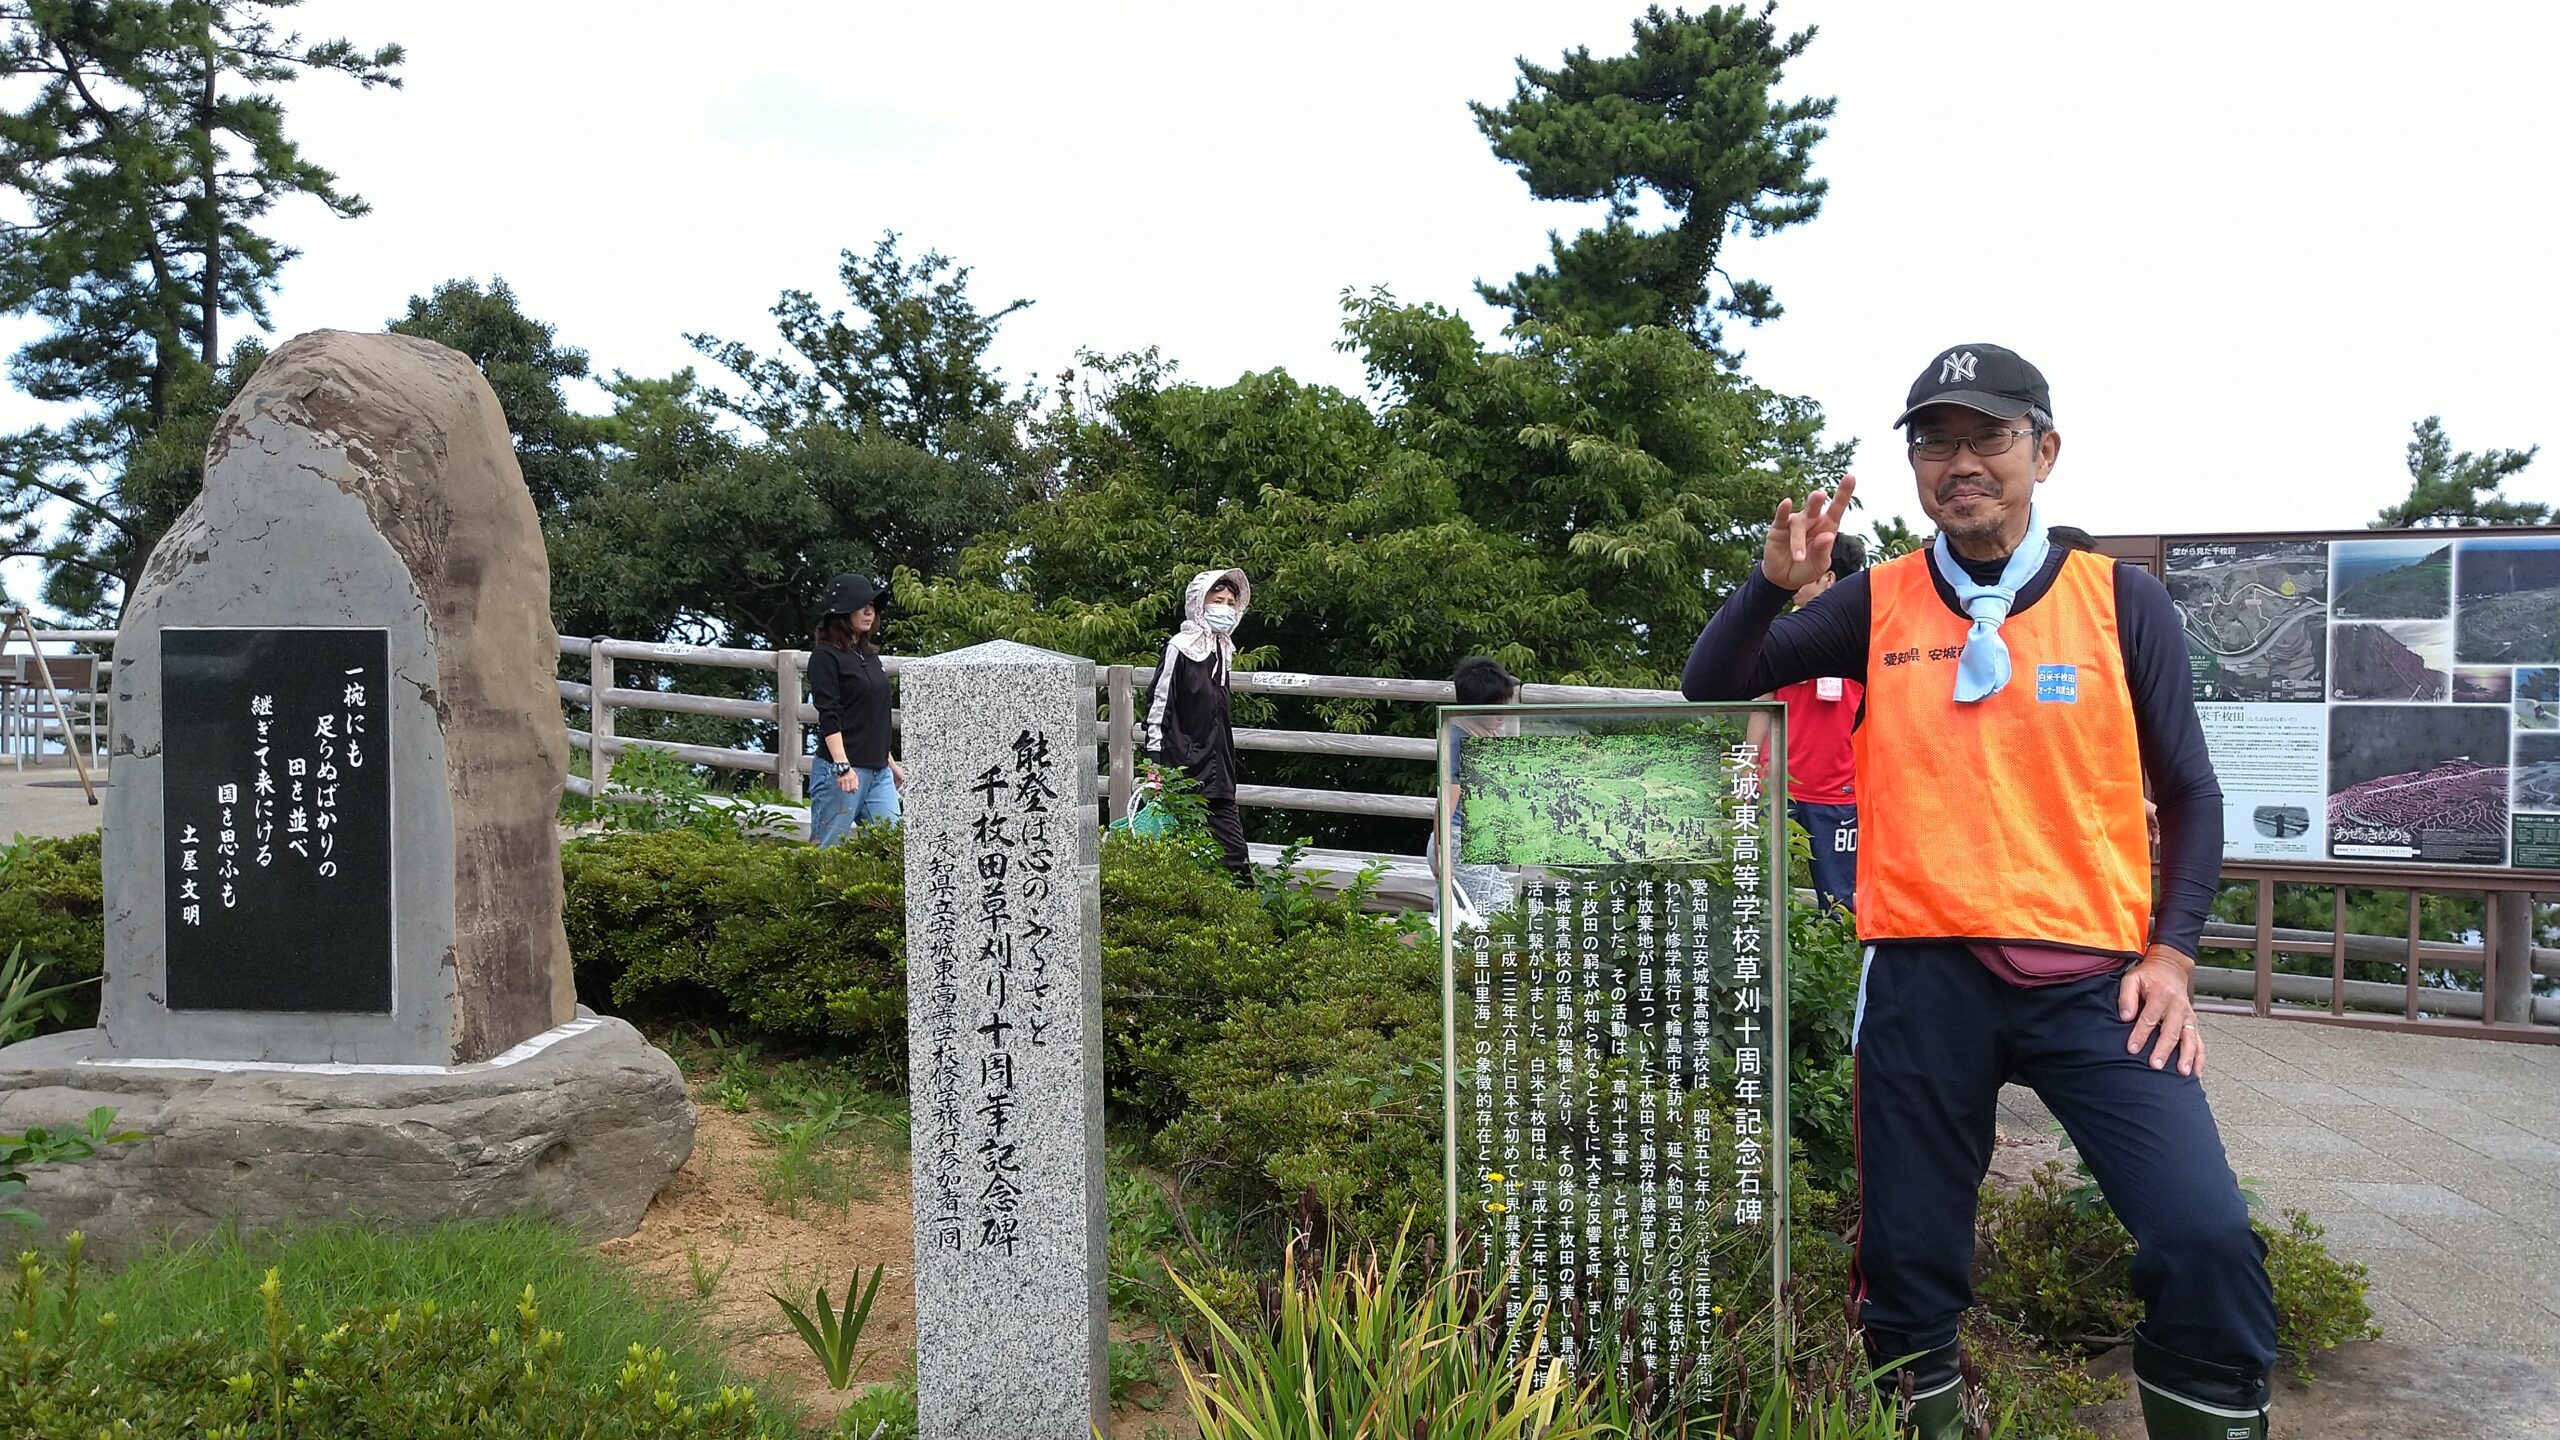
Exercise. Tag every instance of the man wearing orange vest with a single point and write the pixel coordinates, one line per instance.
(2019, 687)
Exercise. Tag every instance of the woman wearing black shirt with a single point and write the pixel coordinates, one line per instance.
(854, 779)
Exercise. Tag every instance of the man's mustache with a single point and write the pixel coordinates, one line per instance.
(1951, 488)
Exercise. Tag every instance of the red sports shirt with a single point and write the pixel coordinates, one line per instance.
(1820, 715)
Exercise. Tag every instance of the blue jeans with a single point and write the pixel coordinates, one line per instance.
(833, 813)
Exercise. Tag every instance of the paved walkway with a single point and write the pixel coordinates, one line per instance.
(2430, 1160)
(45, 800)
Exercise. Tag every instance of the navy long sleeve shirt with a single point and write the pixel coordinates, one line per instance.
(1752, 647)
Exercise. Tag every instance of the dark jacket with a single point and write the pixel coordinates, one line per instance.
(1187, 718)
(852, 691)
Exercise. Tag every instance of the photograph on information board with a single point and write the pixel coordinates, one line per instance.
(2418, 783)
(2508, 600)
(2256, 614)
(1616, 1029)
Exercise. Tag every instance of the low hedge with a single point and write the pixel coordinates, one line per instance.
(51, 906)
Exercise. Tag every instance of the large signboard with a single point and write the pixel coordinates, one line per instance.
(2387, 698)
(1616, 1022)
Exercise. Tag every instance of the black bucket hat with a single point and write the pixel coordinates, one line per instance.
(850, 592)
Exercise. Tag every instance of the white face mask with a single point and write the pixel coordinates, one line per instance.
(1221, 618)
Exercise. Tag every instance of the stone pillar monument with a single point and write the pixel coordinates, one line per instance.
(1004, 1045)
(332, 850)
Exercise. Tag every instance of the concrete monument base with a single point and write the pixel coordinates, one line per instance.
(580, 1125)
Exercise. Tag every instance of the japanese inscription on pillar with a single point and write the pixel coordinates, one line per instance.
(277, 802)
(1616, 1036)
(1004, 1044)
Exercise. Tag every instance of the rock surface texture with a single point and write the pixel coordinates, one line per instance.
(583, 1133)
(368, 482)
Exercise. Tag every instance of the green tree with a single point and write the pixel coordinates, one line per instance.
(142, 146)
(2446, 489)
(559, 450)
(1688, 117)
(1894, 536)
(879, 443)
(1562, 506)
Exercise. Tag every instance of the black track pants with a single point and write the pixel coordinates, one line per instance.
(1226, 826)
(1938, 1034)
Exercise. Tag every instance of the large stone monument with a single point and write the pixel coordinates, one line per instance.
(1004, 1045)
(336, 977)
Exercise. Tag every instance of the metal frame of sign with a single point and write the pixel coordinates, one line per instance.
(1769, 720)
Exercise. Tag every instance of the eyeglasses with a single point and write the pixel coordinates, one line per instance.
(1985, 443)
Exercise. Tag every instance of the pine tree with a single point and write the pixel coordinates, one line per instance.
(2446, 489)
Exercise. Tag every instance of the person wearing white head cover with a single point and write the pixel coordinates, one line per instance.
(1187, 709)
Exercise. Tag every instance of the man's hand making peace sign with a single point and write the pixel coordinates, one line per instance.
(1800, 536)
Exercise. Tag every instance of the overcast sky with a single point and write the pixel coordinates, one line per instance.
(2248, 244)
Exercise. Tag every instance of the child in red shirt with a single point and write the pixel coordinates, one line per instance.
(1821, 778)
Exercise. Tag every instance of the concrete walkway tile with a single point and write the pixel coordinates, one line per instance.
(2526, 1152)
(2535, 1335)
(2307, 1095)
(2432, 1155)
(2365, 1235)
(2526, 1198)
(2403, 1201)
(2399, 1321)
(2494, 1245)
(2276, 1194)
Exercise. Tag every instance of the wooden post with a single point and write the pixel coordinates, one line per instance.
(2338, 950)
(2413, 953)
(1123, 739)
(786, 723)
(599, 715)
(2510, 938)
(2265, 1002)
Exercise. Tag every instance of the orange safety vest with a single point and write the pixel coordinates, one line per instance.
(2017, 818)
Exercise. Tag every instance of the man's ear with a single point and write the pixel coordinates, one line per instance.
(2047, 453)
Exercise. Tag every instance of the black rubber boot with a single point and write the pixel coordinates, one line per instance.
(2184, 1398)
(2175, 1417)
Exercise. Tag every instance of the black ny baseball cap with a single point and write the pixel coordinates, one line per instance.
(1990, 378)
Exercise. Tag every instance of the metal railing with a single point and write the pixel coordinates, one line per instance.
(2503, 955)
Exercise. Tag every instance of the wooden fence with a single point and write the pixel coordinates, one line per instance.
(2503, 956)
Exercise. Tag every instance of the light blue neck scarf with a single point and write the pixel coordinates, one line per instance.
(1984, 667)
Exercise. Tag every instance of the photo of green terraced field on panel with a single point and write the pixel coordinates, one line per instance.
(1649, 792)
(2391, 579)
(2508, 600)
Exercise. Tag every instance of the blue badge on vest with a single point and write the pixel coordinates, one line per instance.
(2058, 684)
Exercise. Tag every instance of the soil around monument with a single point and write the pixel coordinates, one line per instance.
(713, 1214)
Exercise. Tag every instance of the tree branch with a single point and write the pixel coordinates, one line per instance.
(51, 558)
(69, 498)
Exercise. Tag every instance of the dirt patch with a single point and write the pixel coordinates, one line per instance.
(714, 1215)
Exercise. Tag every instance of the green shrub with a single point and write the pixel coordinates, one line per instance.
(1335, 1092)
(2052, 1257)
(1823, 959)
(51, 904)
(1182, 945)
(790, 940)
(422, 1370)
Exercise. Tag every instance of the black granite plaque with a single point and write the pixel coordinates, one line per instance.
(276, 768)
